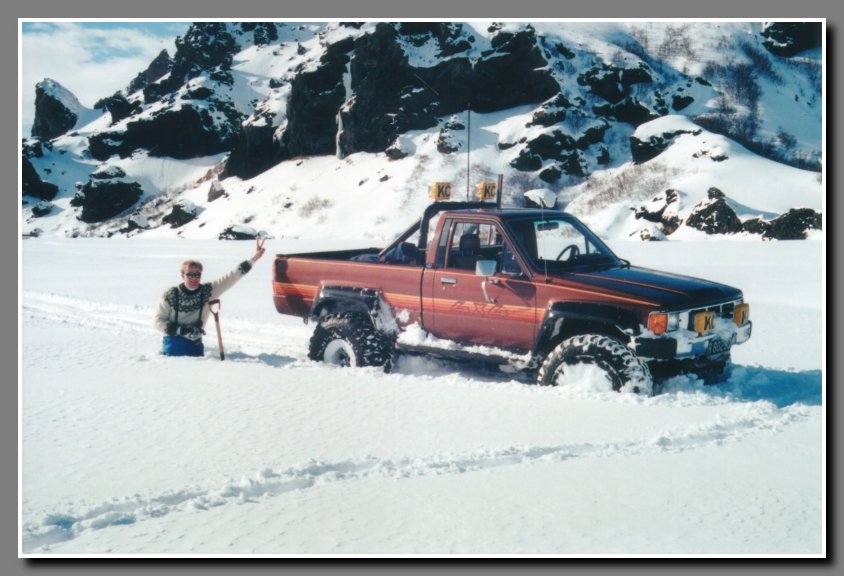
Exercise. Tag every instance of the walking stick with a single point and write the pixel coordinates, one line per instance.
(214, 306)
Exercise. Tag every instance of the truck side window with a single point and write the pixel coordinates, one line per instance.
(509, 264)
(471, 241)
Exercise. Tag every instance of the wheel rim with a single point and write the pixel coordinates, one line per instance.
(339, 353)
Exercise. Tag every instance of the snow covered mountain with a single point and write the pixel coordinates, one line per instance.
(650, 130)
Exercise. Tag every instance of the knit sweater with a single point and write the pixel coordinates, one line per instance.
(190, 307)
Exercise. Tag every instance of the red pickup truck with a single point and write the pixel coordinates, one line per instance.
(532, 288)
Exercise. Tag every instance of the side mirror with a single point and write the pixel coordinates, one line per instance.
(485, 268)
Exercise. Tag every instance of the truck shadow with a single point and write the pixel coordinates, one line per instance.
(743, 384)
(274, 360)
(747, 383)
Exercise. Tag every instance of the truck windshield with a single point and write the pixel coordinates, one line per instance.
(559, 242)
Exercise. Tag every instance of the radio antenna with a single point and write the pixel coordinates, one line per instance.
(468, 145)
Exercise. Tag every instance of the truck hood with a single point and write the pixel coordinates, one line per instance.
(667, 291)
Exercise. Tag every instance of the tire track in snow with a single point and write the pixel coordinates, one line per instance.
(120, 319)
(61, 526)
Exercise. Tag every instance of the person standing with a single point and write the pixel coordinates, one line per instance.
(183, 309)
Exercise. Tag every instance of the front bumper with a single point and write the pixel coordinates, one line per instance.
(688, 345)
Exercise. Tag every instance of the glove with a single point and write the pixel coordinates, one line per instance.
(191, 332)
(171, 328)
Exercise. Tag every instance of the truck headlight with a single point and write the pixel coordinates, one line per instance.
(662, 322)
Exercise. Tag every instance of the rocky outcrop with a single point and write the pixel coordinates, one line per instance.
(556, 146)
(644, 150)
(186, 132)
(181, 213)
(790, 38)
(663, 210)
(392, 97)
(56, 110)
(32, 185)
(104, 199)
(612, 83)
(118, 106)
(154, 72)
(238, 232)
(42, 208)
(448, 142)
(793, 225)
(714, 216)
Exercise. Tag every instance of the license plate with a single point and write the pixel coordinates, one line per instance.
(716, 346)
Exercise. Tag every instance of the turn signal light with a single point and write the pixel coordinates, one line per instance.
(741, 314)
(658, 322)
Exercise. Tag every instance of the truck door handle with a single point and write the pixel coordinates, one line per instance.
(445, 280)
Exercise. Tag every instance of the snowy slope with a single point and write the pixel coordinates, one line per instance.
(291, 197)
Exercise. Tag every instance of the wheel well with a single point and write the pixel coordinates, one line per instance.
(568, 327)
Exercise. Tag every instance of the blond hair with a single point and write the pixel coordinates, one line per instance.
(188, 263)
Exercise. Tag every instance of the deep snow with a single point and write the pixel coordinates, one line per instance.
(125, 452)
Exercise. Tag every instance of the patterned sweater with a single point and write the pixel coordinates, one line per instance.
(183, 306)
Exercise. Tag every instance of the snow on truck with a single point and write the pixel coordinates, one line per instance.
(534, 289)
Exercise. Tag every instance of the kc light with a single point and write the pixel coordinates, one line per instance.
(662, 322)
(741, 314)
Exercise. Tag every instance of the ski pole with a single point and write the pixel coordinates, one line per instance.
(214, 306)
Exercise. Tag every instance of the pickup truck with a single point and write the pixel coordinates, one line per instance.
(531, 288)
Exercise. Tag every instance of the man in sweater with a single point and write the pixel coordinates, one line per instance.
(183, 309)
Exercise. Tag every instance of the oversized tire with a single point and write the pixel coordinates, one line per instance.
(350, 339)
(624, 371)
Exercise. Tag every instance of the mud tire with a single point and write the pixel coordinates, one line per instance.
(350, 339)
(624, 369)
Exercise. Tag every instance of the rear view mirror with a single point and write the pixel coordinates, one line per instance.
(485, 268)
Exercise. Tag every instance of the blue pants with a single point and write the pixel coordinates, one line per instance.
(181, 346)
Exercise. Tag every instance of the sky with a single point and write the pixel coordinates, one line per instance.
(91, 59)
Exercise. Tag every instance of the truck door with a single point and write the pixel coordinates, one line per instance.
(497, 311)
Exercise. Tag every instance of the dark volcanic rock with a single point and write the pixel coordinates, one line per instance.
(238, 232)
(662, 210)
(611, 83)
(255, 151)
(42, 208)
(315, 99)
(105, 199)
(118, 106)
(31, 182)
(392, 97)
(789, 38)
(793, 224)
(154, 72)
(551, 146)
(644, 150)
(188, 132)
(629, 110)
(181, 213)
(379, 73)
(263, 32)
(714, 216)
(52, 116)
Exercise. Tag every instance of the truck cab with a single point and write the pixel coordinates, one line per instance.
(534, 288)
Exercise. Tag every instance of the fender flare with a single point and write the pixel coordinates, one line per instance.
(368, 301)
(558, 313)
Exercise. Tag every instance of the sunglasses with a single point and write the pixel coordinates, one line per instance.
(193, 274)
